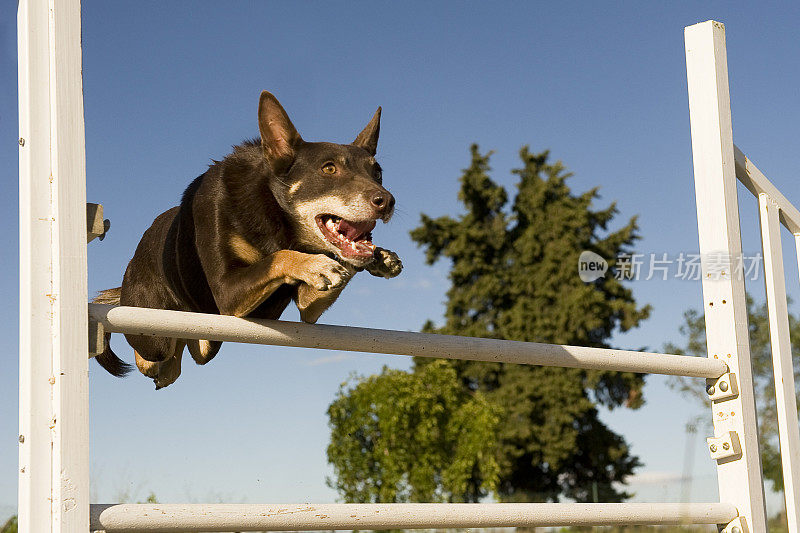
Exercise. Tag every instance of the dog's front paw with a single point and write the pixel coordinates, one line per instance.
(324, 273)
(386, 264)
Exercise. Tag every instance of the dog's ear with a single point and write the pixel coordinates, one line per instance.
(368, 138)
(278, 135)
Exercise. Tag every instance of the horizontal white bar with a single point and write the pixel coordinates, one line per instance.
(757, 183)
(172, 518)
(178, 324)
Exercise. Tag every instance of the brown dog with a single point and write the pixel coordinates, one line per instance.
(279, 219)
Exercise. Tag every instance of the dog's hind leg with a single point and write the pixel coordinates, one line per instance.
(170, 370)
(158, 358)
(203, 351)
(148, 368)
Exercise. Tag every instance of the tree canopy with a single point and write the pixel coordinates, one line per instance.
(514, 276)
(402, 436)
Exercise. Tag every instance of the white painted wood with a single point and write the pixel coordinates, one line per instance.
(740, 479)
(54, 430)
(778, 311)
(178, 324)
(757, 183)
(287, 517)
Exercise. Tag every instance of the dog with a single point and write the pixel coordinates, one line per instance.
(278, 219)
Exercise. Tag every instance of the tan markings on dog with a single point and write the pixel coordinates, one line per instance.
(205, 347)
(354, 209)
(244, 250)
(202, 351)
(148, 368)
(294, 187)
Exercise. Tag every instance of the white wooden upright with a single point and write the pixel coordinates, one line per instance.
(727, 336)
(54, 406)
(782, 365)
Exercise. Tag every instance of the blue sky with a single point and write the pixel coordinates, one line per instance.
(170, 85)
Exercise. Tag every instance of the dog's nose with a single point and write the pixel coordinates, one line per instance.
(383, 201)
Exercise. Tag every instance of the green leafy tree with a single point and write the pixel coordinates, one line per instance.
(694, 333)
(10, 526)
(402, 436)
(514, 276)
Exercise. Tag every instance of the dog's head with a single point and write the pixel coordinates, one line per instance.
(333, 193)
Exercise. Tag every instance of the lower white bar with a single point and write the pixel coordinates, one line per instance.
(165, 518)
(178, 324)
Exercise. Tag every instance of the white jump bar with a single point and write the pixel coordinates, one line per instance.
(173, 518)
(757, 183)
(179, 324)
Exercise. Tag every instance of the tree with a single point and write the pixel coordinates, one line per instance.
(694, 332)
(402, 436)
(10, 526)
(514, 276)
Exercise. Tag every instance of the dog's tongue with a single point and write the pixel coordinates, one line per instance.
(354, 230)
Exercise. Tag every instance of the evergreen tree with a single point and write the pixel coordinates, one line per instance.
(513, 276)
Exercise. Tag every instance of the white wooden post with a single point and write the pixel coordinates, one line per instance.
(54, 406)
(786, 401)
(739, 476)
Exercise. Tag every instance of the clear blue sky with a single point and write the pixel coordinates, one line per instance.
(170, 85)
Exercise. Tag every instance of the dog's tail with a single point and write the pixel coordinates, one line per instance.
(108, 359)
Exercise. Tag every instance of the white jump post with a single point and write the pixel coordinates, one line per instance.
(786, 400)
(739, 474)
(54, 406)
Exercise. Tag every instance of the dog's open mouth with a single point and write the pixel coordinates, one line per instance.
(352, 238)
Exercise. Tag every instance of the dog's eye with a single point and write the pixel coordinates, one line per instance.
(329, 168)
(379, 175)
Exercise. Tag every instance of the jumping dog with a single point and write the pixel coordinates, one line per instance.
(278, 219)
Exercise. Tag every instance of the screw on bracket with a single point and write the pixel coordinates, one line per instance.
(725, 446)
(722, 388)
(21, 141)
(737, 525)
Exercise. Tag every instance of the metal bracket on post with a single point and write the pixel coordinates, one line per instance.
(97, 338)
(738, 525)
(724, 387)
(725, 446)
(96, 227)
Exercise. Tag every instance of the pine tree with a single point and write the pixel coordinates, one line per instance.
(514, 276)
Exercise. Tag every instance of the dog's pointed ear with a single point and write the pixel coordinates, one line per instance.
(279, 138)
(368, 138)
